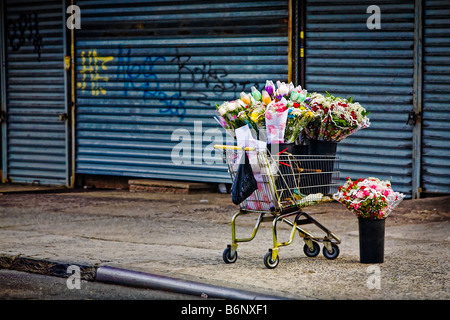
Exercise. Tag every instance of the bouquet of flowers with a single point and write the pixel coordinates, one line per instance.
(278, 113)
(284, 111)
(232, 115)
(368, 198)
(257, 121)
(276, 116)
(298, 117)
(335, 118)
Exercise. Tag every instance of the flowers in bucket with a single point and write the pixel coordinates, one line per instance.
(368, 198)
(278, 113)
(335, 118)
(320, 117)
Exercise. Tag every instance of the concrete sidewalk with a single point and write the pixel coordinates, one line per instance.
(182, 237)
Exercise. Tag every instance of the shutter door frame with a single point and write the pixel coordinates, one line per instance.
(436, 81)
(33, 107)
(376, 68)
(3, 95)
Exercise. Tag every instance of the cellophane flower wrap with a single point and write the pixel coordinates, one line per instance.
(232, 115)
(276, 116)
(299, 116)
(257, 119)
(335, 118)
(368, 198)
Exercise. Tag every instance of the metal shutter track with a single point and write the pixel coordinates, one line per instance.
(36, 139)
(436, 98)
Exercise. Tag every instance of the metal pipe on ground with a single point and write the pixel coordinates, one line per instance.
(145, 280)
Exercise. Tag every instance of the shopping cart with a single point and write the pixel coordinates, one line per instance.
(286, 184)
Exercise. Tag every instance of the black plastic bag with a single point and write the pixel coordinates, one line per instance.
(244, 183)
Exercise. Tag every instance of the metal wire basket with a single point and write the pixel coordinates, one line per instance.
(286, 180)
(286, 184)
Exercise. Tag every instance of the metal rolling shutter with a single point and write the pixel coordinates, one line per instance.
(145, 69)
(375, 66)
(436, 98)
(36, 148)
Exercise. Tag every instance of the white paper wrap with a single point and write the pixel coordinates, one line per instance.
(275, 126)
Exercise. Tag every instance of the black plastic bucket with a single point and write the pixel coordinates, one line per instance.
(291, 148)
(371, 240)
(318, 148)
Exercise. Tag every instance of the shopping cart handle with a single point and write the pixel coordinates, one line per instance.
(218, 146)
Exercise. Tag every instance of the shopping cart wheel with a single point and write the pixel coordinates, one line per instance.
(268, 262)
(227, 257)
(312, 253)
(334, 252)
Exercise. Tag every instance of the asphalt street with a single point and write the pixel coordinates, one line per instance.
(183, 236)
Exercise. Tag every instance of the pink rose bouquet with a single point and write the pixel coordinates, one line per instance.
(368, 198)
(335, 118)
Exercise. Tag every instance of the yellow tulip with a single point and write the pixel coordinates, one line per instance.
(254, 116)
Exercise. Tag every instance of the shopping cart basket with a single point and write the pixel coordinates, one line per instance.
(286, 184)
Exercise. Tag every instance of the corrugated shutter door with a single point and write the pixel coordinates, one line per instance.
(36, 144)
(374, 66)
(436, 98)
(146, 69)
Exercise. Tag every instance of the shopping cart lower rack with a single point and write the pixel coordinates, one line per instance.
(286, 184)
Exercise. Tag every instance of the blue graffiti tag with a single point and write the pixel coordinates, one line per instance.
(133, 73)
(141, 77)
